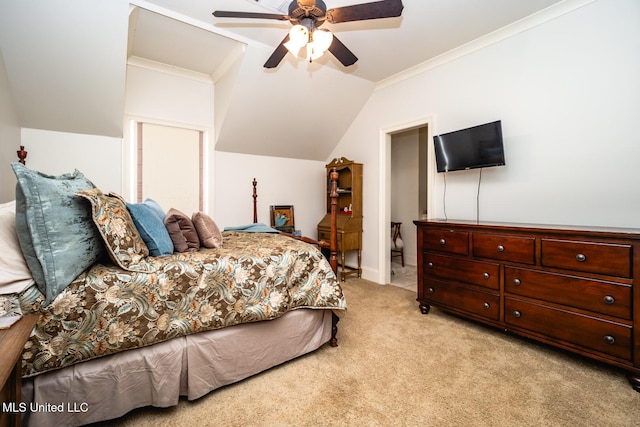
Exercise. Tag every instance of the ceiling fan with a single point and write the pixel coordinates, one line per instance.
(307, 16)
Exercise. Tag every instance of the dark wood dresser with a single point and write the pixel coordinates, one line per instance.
(574, 288)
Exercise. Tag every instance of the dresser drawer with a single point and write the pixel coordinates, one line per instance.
(326, 236)
(586, 331)
(473, 272)
(601, 258)
(449, 241)
(473, 301)
(507, 248)
(610, 298)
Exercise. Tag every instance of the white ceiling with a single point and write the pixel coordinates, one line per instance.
(168, 41)
(66, 62)
(385, 47)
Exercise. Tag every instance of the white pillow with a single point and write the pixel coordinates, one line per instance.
(15, 276)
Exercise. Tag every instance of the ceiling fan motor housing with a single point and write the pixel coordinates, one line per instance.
(315, 9)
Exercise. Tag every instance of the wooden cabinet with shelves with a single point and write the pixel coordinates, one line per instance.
(349, 220)
(572, 288)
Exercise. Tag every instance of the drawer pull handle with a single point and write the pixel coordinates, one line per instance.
(486, 275)
(609, 299)
(581, 257)
(517, 314)
(609, 339)
(500, 248)
(430, 265)
(517, 282)
(430, 290)
(443, 242)
(486, 305)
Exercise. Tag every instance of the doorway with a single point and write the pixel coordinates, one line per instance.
(406, 181)
(408, 190)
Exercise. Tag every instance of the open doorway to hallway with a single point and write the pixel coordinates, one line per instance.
(408, 201)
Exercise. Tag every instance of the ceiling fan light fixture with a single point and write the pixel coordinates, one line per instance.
(320, 42)
(313, 53)
(293, 48)
(298, 38)
(322, 39)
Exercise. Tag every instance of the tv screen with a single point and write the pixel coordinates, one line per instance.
(475, 147)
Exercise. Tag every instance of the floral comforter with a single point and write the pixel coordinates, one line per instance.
(253, 277)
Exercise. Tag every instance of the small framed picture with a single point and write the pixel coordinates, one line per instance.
(282, 218)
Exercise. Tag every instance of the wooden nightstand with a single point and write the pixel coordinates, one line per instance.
(12, 342)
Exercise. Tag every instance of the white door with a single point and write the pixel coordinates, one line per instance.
(170, 167)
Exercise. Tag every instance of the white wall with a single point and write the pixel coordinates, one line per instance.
(55, 153)
(9, 138)
(568, 94)
(281, 181)
(170, 97)
(163, 96)
(183, 100)
(405, 172)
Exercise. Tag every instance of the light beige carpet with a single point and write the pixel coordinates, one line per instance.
(397, 367)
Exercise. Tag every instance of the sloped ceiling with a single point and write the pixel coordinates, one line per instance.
(288, 113)
(156, 37)
(66, 63)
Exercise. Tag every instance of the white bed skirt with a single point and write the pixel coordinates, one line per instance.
(158, 375)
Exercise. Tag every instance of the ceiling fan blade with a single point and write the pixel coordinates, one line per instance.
(228, 14)
(277, 55)
(360, 12)
(342, 53)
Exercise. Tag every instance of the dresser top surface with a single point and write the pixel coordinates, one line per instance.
(620, 231)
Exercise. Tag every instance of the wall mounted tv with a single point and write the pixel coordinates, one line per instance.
(475, 147)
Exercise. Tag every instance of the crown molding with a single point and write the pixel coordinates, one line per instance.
(524, 24)
(148, 64)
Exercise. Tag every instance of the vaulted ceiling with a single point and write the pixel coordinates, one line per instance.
(66, 62)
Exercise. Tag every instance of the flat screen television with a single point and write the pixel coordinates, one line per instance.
(475, 147)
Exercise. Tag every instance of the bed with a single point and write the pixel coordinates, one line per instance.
(135, 329)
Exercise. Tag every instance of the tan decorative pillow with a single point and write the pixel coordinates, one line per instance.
(121, 238)
(208, 232)
(182, 231)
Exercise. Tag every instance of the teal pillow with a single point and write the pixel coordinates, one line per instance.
(150, 225)
(156, 208)
(55, 229)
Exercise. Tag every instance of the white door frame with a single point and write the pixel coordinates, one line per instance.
(384, 183)
(130, 157)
